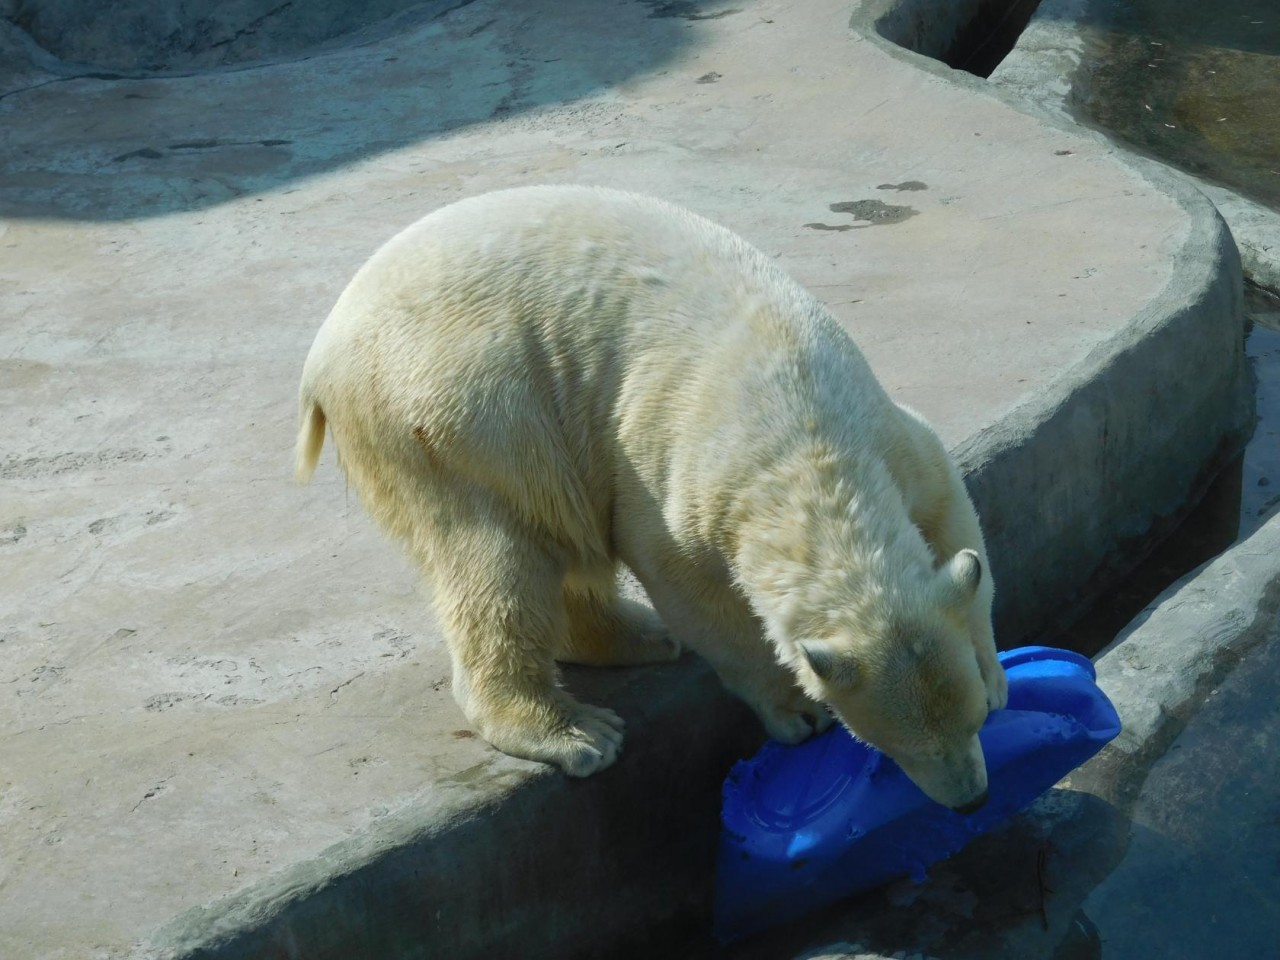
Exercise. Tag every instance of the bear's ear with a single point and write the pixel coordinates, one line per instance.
(961, 576)
(830, 667)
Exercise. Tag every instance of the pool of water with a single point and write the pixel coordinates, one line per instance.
(1195, 83)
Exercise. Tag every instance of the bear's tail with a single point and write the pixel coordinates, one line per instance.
(310, 440)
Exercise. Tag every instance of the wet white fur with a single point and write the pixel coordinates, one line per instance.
(530, 386)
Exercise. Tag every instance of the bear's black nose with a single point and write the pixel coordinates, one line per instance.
(973, 806)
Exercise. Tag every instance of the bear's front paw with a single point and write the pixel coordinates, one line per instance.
(671, 648)
(787, 725)
(578, 738)
(594, 741)
(997, 687)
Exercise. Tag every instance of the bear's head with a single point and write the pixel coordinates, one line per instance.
(913, 690)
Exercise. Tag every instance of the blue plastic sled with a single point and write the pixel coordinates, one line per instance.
(804, 826)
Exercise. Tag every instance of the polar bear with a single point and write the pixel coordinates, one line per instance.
(531, 386)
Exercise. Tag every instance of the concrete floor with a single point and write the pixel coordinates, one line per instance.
(221, 698)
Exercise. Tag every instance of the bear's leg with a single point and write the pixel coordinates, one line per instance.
(787, 712)
(731, 641)
(498, 594)
(959, 530)
(946, 518)
(606, 630)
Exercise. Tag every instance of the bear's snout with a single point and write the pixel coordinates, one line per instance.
(973, 806)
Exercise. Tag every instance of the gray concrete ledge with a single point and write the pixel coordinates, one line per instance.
(1068, 452)
(518, 870)
(225, 712)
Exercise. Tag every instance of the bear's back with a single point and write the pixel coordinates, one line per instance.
(574, 282)
(567, 255)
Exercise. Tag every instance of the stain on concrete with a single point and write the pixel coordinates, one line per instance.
(472, 774)
(684, 9)
(127, 523)
(911, 185)
(32, 468)
(41, 678)
(146, 153)
(874, 212)
(16, 373)
(151, 153)
(155, 791)
(102, 524)
(164, 701)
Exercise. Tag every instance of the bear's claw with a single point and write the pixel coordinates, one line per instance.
(997, 688)
(593, 741)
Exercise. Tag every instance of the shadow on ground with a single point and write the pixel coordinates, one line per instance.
(94, 146)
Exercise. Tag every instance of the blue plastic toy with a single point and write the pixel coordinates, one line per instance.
(804, 826)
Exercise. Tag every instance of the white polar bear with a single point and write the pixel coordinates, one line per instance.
(530, 386)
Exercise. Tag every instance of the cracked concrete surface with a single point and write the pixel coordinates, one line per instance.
(224, 710)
